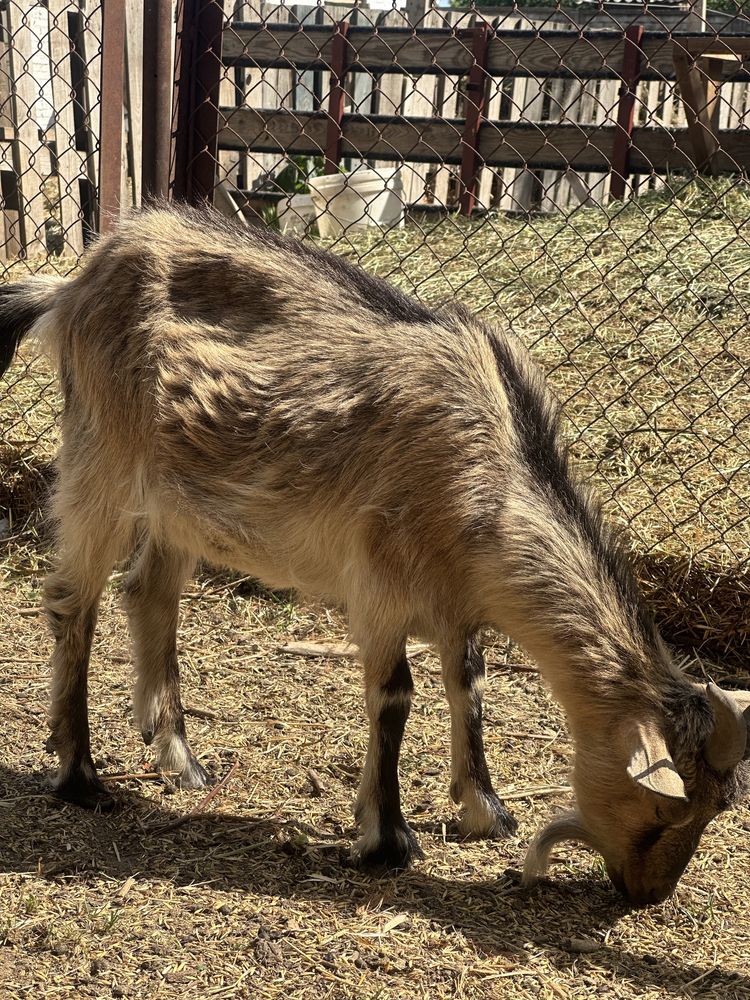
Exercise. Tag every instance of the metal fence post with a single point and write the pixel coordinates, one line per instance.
(157, 97)
(198, 72)
(111, 128)
(476, 93)
(631, 68)
(337, 97)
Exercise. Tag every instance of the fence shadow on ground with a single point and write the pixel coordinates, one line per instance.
(272, 857)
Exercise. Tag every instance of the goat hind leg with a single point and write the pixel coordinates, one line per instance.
(483, 815)
(71, 598)
(152, 597)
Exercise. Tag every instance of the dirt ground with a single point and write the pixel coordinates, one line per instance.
(254, 896)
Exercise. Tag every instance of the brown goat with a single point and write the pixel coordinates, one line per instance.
(251, 401)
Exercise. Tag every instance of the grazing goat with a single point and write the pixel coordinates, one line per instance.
(245, 399)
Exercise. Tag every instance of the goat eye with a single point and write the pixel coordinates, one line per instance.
(650, 837)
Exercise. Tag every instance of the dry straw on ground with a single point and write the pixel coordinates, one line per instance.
(250, 895)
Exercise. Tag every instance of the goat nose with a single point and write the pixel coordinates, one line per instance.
(647, 897)
(617, 880)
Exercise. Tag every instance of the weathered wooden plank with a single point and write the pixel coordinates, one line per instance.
(523, 53)
(70, 167)
(551, 146)
(6, 120)
(28, 147)
(699, 94)
(670, 151)
(131, 192)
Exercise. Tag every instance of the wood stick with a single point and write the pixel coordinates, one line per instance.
(197, 810)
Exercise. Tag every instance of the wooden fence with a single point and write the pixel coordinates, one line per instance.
(550, 133)
(546, 140)
(50, 122)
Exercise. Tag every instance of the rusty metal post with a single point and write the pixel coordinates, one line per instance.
(198, 71)
(181, 144)
(337, 96)
(631, 69)
(207, 69)
(111, 128)
(476, 95)
(157, 97)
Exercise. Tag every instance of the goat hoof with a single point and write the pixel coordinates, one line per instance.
(393, 849)
(82, 787)
(193, 775)
(487, 817)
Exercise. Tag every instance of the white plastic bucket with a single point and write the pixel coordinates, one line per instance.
(296, 214)
(357, 200)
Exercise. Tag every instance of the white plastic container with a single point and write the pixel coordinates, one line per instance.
(357, 200)
(296, 214)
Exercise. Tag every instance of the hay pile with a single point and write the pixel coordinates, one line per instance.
(252, 898)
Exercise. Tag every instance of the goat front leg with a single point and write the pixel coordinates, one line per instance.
(464, 674)
(152, 598)
(386, 837)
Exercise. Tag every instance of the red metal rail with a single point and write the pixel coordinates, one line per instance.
(339, 67)
(631, 69)
(476, 95)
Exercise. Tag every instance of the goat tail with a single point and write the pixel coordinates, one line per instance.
(22, 304)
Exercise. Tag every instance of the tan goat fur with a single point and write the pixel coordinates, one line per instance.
(235, 397)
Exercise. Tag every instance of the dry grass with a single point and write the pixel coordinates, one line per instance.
(253, 897)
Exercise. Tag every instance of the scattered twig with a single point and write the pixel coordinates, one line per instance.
(314, 778)
(517, 668)
(18, 659)
(534, 792)
(138, 776)
(205, 801)
(200, 713)
(342, 650)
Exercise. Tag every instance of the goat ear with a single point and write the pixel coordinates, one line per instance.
(651, 765)
(727, 744)
(743, 700)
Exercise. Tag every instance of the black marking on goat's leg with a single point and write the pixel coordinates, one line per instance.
(484, 815)
(386, 837)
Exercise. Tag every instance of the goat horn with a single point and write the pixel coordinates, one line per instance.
(725, 747)
(568, 827)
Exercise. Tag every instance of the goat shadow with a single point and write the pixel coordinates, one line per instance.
(286, 859)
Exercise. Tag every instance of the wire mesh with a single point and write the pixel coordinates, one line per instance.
(50, 80)
(578, 173)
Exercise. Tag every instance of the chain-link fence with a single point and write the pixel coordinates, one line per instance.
(59, 179)
(50, 84)
(579, 173)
